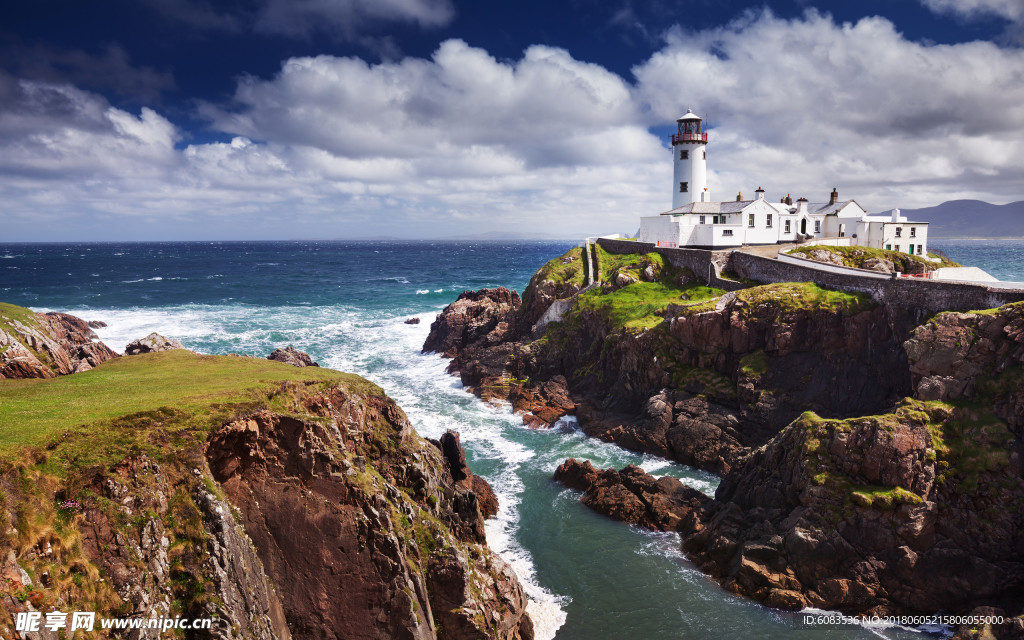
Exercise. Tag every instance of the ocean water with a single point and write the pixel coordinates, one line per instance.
(587, 576)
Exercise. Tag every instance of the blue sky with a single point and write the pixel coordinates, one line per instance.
(277, 119)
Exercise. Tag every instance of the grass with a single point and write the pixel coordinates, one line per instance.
(856, 256)
(641, 305)
(567, 268)
(776, 300)
(110, 406)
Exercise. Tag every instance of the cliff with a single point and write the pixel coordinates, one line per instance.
(658, 363)
(283, 502)
(45, 345)
(869, 464)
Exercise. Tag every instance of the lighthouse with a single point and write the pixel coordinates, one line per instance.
(691, 173)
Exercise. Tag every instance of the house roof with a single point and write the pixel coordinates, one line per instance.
(711, 207)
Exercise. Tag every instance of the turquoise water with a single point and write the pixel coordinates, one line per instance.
(345, 303)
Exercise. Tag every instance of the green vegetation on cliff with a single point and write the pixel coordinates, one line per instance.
(792, 297)
(101, 412)
(640, 304)
(11, 314)
(566, 268)
(857, 256)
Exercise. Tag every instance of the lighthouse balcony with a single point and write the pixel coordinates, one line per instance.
(679, 138)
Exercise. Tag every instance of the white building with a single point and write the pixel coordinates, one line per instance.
(695, 221)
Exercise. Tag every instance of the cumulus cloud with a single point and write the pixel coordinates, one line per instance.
(461, 142)
(807, 104)
(343, 147)
(1009, 9)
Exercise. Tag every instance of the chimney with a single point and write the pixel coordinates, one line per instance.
(834, 198)
(789, 200)
(739, 197)
(760, 193)
(895, 215)
(801, 205)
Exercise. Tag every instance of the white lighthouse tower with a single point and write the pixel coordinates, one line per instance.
(691, 172)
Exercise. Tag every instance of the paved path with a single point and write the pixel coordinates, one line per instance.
(766, 250)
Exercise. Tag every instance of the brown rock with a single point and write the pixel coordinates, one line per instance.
(150, 344)
(291, 355)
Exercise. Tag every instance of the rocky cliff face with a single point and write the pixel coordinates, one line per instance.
(913, 511)
(45, 345)
(705, 383)
(331, 520)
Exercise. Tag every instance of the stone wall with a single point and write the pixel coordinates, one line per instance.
(909, 293)
(923, 296)
(707, 265)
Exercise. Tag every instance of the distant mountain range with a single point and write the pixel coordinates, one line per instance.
(970, 219)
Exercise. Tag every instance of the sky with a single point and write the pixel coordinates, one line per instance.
(346, 119)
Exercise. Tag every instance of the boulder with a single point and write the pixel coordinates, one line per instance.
(152, 343)
(291, 355)
(624, 279)
(412, 321)
(880, 265)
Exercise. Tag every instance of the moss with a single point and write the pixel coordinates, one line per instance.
(856, 256)
(568, 268)
(641, 305)
(754, 365)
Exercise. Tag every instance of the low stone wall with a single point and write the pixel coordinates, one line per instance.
(707, 265)
(909, 293)
(923, 296)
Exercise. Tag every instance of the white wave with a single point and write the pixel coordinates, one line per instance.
(131, 281)
(420, 292)
(438, 290)
(155, 278)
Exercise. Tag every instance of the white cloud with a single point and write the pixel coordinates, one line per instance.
(1009, 9)
(462, 142)
(806, 104)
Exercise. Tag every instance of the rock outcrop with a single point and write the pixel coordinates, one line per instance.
(703, 386)
(332, 519)
(46, 345)
(152, 343)
(291, 355)
(902, 512)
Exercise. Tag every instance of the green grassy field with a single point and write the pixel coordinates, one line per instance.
(117, 404)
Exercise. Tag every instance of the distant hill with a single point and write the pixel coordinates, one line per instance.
(971, 219)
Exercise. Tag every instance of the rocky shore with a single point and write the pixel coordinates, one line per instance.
(295, 502)
(871, 460)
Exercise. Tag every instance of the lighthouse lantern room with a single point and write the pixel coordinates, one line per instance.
(691, 175)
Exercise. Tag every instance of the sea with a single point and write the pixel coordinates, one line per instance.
(346, 303)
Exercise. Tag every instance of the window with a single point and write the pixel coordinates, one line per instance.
(702, 219)
(899, 230)
(888, 247)
(897, 248)
(704, 154)
(817, 226)
(787, 226)
(919, 249)
(726, 232)
(769, 225)
(715, 219)
(684, 154)
(683, 186)
(750, 220)
(913, 232)
(842, 231)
